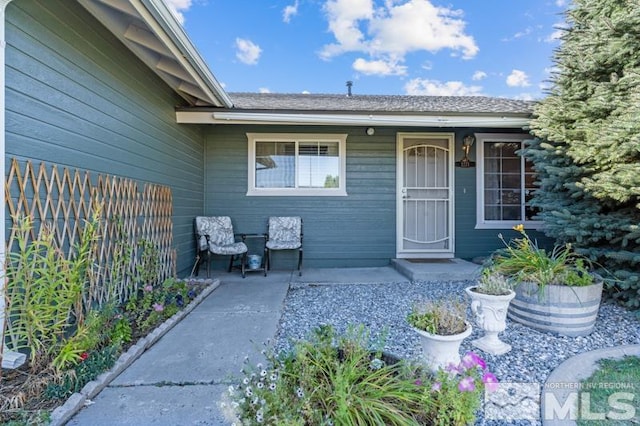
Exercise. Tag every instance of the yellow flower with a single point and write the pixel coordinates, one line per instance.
(519, 228)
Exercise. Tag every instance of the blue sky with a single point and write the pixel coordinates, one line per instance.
(396, 47)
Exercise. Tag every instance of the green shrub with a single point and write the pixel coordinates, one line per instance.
(346, 380)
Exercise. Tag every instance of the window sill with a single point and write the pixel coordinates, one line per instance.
(509, 225)
(296, 193)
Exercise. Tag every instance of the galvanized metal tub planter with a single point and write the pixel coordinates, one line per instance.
(566, 310)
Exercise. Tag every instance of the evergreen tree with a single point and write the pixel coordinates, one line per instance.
(587, 154)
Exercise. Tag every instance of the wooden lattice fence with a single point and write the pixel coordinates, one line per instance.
(63, 199)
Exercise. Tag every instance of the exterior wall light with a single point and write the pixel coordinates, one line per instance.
(467, 143)
(371, 131)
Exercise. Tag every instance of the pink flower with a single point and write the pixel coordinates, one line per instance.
(471, 359)
(83, 356)
(418, 382)
(148, 288)
(490, 381)
(158, 307)
(436, 386)
(453, 369)
(466, 384)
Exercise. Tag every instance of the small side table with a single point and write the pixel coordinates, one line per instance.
(262, 264)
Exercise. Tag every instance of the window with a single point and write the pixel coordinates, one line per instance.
(505, 182)
(297, 164)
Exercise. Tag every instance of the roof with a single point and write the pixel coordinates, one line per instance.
(380, 103)
(365, 110)
(151, 31)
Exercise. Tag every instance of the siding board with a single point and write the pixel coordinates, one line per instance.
(77, 97)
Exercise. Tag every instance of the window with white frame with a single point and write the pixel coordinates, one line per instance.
(297, 164)
(505, 182)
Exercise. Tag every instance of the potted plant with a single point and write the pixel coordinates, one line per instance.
(555, 290)
(442, 326)
(489, 303)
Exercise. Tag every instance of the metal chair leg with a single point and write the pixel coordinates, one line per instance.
(300, 262)
(231, 263)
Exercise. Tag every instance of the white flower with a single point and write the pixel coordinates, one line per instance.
(248, 391)
(259, 366)
(273, 378)
(300, 393)
(245, 381)
(260, 385)
(255, 401)
(263, 373)
(232, 390)
(272, 387)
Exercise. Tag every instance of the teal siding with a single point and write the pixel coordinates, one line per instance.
(77, 97)
(357, 230)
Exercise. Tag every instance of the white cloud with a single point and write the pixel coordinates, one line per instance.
(427, 87)
(427, 65)
(379, 67)
(479, 75)
(391, 31)
(558, 31)
(264, 90)
(561, 3)
(289, 11)
(248, 52)
(518, 78)
(305, 92)
(177, 7)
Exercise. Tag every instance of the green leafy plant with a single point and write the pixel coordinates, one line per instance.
(456, 391)
(331, 379)
(327, 379)
(44, 289)
(493, 283)
(522, 260)
(612, 377)
(154, 304)
(91, 365)
(443, 317)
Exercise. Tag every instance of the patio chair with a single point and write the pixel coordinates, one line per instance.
(214, 235)
(284, 233)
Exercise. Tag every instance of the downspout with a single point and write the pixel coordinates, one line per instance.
(9, 359)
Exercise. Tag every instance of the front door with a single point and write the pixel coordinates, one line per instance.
(425, 195)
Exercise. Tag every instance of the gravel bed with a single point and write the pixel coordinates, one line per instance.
(382, 308)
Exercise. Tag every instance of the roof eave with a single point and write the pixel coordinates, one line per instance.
(152, 33)
(355, 119)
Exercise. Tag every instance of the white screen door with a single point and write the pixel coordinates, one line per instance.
(425, 195)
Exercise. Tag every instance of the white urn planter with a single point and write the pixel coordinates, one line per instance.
(438, 351)
(491, 314)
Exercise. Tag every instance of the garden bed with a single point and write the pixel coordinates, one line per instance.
(29, 397)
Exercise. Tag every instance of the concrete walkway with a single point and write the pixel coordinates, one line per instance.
(184, 377)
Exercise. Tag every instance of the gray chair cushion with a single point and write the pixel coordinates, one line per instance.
(285, 233)
(220, 232)
(235, 248)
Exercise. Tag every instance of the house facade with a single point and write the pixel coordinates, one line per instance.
(117, 88)
(373, 177)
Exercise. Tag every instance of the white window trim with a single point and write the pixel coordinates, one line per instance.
(252, 138)
(481, 223)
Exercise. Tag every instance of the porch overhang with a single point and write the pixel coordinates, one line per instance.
(354, 119)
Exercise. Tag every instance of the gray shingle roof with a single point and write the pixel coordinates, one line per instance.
(380, 103)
